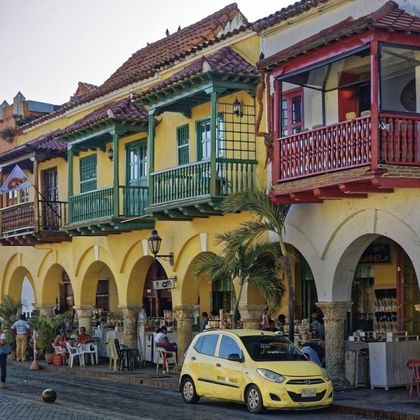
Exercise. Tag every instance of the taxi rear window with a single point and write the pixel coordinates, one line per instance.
(271, 348)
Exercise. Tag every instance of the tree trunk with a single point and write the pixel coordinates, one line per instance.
(236, 308)
(292, 298)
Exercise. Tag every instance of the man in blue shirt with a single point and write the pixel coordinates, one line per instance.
(22, 329)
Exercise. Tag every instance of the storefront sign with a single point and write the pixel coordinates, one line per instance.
(164, 284)
(376, 254)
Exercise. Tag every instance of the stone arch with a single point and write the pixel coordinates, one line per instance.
(137, 279)
(89, 284)
(196, 291)
(14, 286)
(50, 286)
(350, 240)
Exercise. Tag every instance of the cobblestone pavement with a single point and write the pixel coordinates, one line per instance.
(91, 399)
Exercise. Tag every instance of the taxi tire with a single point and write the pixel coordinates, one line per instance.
(253, 400)
(189, 395)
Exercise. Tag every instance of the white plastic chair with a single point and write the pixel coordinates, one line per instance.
(164, 358)
(92, 349)
(75, 352)
(114, 357)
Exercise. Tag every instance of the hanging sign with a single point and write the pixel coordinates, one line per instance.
(164, 284)
(376, 254)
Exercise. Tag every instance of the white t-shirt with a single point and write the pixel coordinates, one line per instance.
(159, 337)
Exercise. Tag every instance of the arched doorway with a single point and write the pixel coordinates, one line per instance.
(157, 298)
(384, 290)
(27, 297)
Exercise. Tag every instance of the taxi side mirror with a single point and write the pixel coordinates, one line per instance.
(235, 357)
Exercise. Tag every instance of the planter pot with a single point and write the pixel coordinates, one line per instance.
(49, 357)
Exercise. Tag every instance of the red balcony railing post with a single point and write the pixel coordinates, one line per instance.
(374, 94)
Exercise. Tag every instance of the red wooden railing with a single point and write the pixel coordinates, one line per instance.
(399, 139)
(347, 145)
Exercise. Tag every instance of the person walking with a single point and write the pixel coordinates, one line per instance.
(4, 351)
(22, 329)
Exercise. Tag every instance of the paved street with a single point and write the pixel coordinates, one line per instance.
(91, 398)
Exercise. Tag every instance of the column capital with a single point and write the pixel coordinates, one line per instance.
(84, 310)
(334, 311)
(251, 315)
(45, 309)
(131, 307)
(185, 311)
(417, 307)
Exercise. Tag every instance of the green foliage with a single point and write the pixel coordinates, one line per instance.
(9, 310)
(255, 264)
(47, 327)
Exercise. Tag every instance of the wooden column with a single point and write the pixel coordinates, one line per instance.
(374, 99)
(36, 194)
(116, 183)
(70, 180)
(213, 141)
(151, 153)
(277, 129)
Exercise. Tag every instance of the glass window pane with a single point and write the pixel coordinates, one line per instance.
(297, 109)
(228, 346)
(209, 344)
(400, 70)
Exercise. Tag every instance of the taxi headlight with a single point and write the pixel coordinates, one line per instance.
(271, 376)
(327, 376)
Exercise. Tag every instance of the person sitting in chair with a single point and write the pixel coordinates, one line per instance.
(83, 338)
(161, 340)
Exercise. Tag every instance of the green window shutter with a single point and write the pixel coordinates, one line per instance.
(88, 173)
(183, 139)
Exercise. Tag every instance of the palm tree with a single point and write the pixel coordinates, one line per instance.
(254, 264)
(268, 217)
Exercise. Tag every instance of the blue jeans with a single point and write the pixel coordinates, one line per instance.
(3, 360)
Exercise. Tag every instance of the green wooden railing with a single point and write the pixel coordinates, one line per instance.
(100, 203)
(195, 180)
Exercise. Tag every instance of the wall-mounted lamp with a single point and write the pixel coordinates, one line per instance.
(237, 108)
(110, 153)
(154, 242)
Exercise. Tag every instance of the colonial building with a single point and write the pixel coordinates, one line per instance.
(345, 153)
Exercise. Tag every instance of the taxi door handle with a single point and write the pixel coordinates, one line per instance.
(218, 365)
(193, 358)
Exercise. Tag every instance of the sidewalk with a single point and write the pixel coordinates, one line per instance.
(394, 404)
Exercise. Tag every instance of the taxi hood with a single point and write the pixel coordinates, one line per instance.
(298, 368)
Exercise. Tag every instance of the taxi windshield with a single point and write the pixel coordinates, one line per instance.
(271, 348)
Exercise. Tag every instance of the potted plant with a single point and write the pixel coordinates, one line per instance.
(9, 311)
(47, 328)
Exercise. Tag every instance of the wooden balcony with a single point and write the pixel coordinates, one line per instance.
(21, 225)
(190, 191)
(102, 212)
(347, 159)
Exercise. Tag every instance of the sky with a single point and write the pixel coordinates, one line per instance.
(48, 46)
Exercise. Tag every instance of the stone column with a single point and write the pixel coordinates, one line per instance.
(184, 322)
(84, 315)
(130, 313)
(45, 309)
(335, 314)
(251, 315)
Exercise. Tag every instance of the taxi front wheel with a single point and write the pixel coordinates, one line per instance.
(188, 391)
(253, 399)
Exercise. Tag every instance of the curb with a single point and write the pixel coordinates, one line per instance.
(378, 414)
(162, 382)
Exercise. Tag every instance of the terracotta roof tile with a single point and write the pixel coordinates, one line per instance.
(388, 17)
(123, 110)
(287, 12)
(226, 61)
(143, 64)
(49, 143)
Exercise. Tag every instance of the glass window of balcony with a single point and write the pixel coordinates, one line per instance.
(183, 140)
(88, 173)
(292, 112)
(400, 75)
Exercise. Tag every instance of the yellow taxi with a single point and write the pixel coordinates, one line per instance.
(261, 368)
